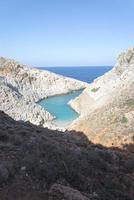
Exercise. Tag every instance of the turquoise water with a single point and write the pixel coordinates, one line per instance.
(58, 107)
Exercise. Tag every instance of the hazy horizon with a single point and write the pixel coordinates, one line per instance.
(66, 32)
(72, 66)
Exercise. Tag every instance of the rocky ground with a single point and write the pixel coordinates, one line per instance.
(21, 87)
(106, 106)
(37, 163)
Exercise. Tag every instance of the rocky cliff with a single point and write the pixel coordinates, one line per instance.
(107, 105)
(21, 87)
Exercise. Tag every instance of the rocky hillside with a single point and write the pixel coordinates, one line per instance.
(21, 87)
(40, 164)
(107, 105)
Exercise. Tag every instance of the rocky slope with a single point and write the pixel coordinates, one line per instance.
(21, 87)
(107, 105)
(40, 164)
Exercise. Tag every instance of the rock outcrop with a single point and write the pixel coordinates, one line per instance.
(21, 87)
(41, 164)
(106, 106)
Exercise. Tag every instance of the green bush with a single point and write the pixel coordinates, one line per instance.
(124, 120)
(95, 89)
(130, 102)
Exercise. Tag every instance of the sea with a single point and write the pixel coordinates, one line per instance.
(58, 105)
(86, 74)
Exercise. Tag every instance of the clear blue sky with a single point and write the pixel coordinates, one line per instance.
(65, 32)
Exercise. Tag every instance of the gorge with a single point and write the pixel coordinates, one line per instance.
(105, 107)
(92, 159)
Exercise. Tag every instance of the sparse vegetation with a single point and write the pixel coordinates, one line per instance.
(38, 163)
(124, 120)
(95, 89)
(130, 102)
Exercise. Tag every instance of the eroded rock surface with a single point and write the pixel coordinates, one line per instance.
(21, 87)
(107, 105)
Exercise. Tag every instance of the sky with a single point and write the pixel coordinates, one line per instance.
(66, 32)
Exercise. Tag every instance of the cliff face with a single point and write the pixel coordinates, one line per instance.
(40, 164)
(107, 105)
(36, 84)
(21, 87)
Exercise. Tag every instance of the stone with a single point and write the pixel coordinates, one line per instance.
(101, 111)
(21, 87)
(60, 192)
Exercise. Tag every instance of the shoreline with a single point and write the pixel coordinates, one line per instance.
(34, 85)
(66, 93)
(56, 119)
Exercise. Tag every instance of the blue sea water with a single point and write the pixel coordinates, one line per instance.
(87, 74)
(58, 105)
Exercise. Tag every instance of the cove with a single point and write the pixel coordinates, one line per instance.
(58, 107)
